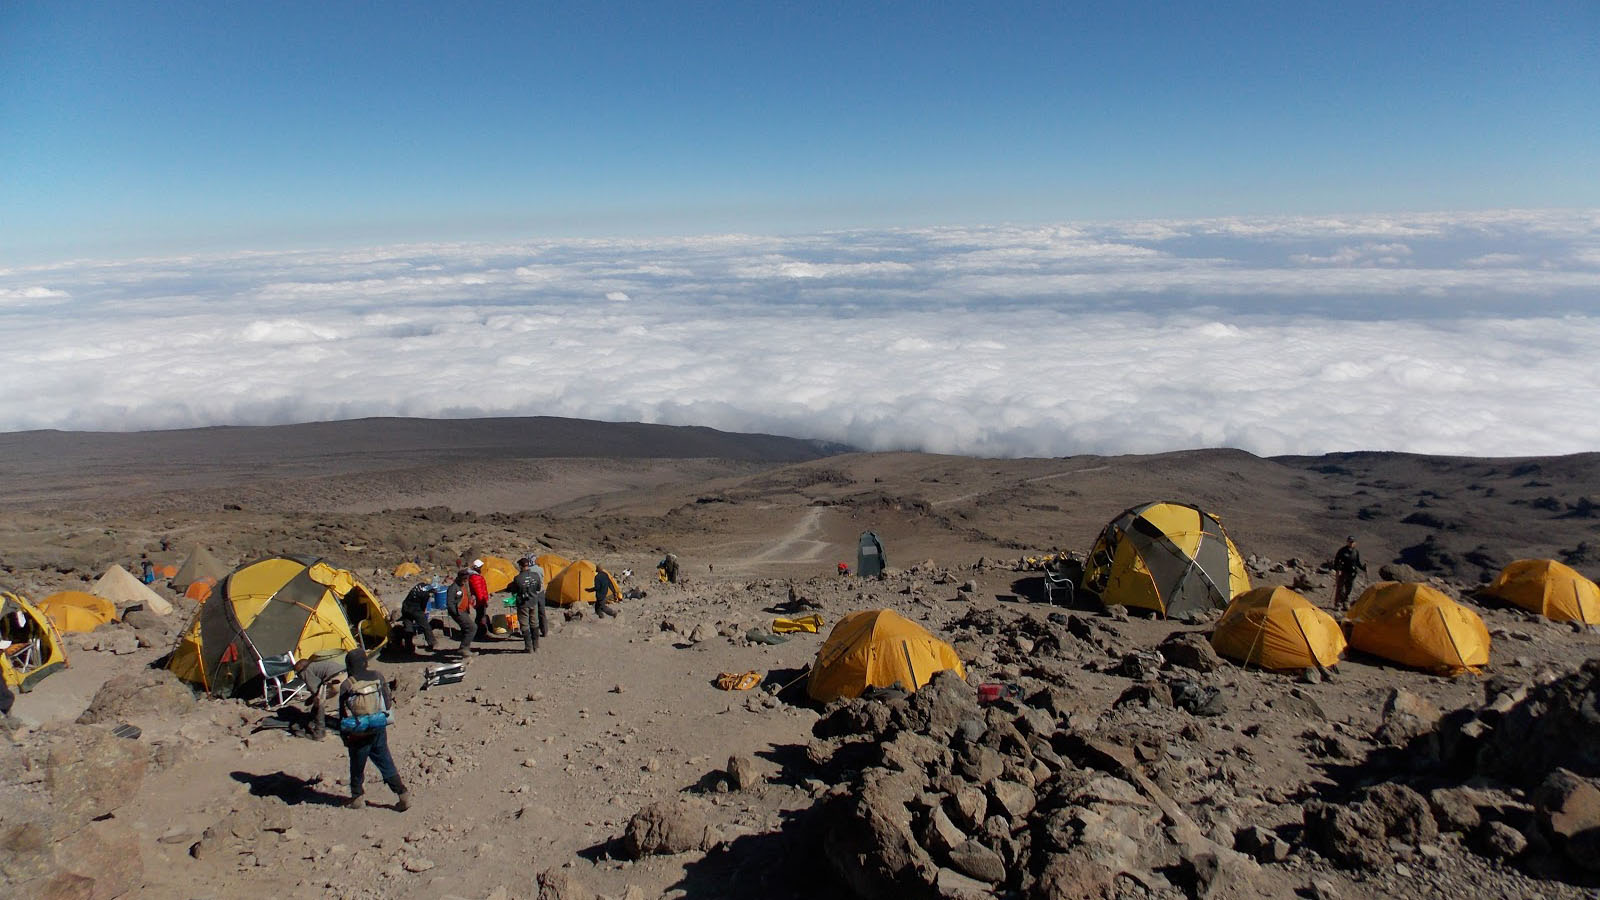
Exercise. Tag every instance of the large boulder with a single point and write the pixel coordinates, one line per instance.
(1190, 650)
(1555, 726)
(144, 694)
(1359, 834)
(1568, 810)
(1406, 717)
(868, 840)
(667, 827)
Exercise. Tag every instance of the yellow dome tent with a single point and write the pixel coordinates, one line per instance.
(407, 569)
(572, 584)
(1167, 557)
(877, 648)
(1276, 628)
(1416, 625)
(278, 605)
(1549, 588)
(77, 611)
(34, 652)
(497, 572)
(551, 565)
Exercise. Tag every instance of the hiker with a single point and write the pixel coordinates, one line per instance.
(6, 697)
(528, 587)
(414, 613)
(1345, 564)
(844, 568)
(459, 601)
(480, 595)
(147, 569)
(669, 568)
(317, 674)
(604, 591)
(364, 716)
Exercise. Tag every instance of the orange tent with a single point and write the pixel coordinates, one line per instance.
(1551, 589)
(497, 572)
(573, 584)
(551, 565)
(200, 588)
(77, 611)
(1417, 625)
(877, 648)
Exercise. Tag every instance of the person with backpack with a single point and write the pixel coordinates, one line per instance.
(364, 717)
(459, 601)
(528, 587)
(480, 595)
(414, 613)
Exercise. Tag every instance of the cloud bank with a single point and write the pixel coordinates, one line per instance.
(1451, 333)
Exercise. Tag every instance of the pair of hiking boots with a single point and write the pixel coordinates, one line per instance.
(402, 802)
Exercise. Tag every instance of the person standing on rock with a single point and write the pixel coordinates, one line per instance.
(365, 706)
(604, 591)
(1345, 564)
(459, 601)
(529, 589)
(414, 613)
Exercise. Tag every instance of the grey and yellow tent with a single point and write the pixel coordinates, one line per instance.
(33, 646)
(1168, 557)
(279, 605)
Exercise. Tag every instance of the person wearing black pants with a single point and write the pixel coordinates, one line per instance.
(414, 613)
(529, 588)
(459, 601)
(604, 590)
(373, 744)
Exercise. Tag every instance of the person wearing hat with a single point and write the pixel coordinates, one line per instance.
(1345, 564)
(528, 587)
(480, 594)
(364, 712)
(604, 591)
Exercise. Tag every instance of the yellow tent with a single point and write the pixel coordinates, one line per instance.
(877, 648)
(1549, 588)
(407, 569)
(77, 611)
(34, 650)
(1416, 625)
(1276, 628)
(278, 605)
(551, 565)
(573, 584)
(497, 572)
(1167, 557)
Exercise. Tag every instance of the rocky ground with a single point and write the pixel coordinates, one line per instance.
(1128, 762)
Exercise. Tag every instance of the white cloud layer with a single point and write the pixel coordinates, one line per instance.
(1464, 334)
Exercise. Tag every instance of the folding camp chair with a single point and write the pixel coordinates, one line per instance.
(280, 685)
(1056, 582)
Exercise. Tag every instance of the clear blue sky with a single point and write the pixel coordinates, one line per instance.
(166, 127)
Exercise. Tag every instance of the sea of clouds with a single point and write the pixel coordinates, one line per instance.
(1470, 334)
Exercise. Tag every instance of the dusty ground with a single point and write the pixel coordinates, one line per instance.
(536, 763)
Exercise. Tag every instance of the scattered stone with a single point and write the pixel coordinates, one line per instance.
(1406, 717)
(1568, 811)
(1500, 841)
(665, 828)
(1261, 844)
(977, 861)
(152, 693)
(1190, 650)
(742, 774)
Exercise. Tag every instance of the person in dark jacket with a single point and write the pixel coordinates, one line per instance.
(414, 613)
(370, 743)
(458, 599)
(528, 587)
(604, 591)
(318, 675)
(1345, 563)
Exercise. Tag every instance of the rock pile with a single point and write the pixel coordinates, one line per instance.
(936, 796)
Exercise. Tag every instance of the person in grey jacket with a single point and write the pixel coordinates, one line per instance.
(529, 589)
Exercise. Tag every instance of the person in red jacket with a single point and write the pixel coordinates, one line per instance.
(480, 594)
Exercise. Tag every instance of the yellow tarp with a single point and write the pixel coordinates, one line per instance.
(809, 623)
(1549, 588)
(1277, 628)
(35, 650)
(1416, 625)
(407, 569)
(497, 572)
(77, 611)
(551, 565)
(877, 648)
(572, 584)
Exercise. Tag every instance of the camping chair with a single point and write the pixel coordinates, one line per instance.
(1056, 582)
(280, 685)
(25, 654)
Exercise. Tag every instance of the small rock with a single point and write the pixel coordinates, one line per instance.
(1500, 841)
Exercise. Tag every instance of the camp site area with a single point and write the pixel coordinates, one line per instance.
(1084, 676)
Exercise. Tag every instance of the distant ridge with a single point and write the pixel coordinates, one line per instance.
(28, 458)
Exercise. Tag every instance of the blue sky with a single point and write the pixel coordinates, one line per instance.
(175, 127)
